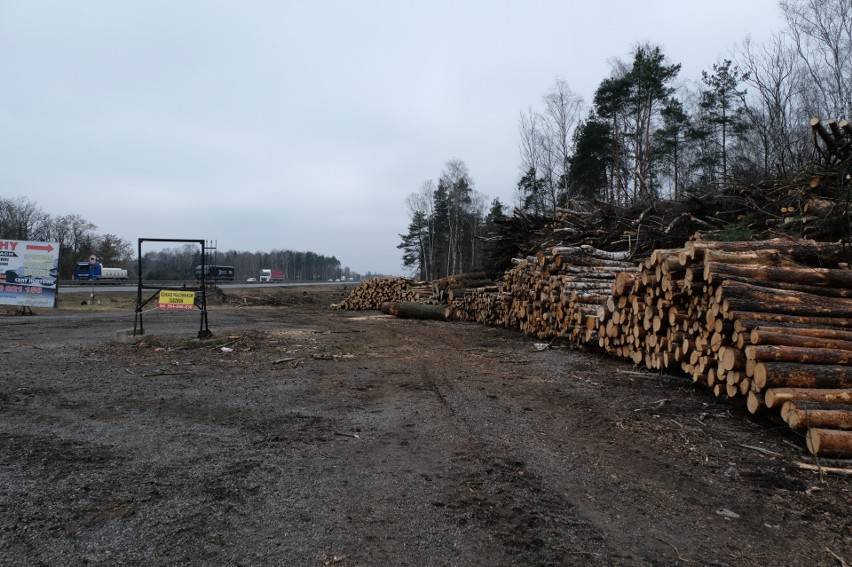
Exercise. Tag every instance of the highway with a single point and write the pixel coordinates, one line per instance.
(101, 287)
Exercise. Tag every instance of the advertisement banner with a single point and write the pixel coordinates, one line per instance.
(28, 273)
(170, 299)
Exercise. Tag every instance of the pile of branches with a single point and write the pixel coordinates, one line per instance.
(279, 297)
(814, 205)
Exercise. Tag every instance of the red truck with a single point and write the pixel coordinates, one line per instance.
(268, 275)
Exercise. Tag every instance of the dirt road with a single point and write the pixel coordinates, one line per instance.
(299, 435)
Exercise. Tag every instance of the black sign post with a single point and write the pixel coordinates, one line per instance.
(138, 328)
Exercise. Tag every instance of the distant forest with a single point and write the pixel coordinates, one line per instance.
(648, 136)
(178, 263)
(22, 219)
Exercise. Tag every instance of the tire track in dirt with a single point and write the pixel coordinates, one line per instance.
(494, 491)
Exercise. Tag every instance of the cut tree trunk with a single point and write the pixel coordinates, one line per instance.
(795, 375)
(829, 442)
(776, 397)
(802, 337)
(411, 310)
(788, 274)
(804, 251)
(804, 355)
(740, 296)
(751, 317)
(802, 415)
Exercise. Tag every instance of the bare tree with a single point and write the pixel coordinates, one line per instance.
(22, 219)
(75, 236)
(563, 110)
(774, 104)
(546, 146)
(821, 31)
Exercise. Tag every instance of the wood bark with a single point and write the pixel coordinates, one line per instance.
(829, 442)
(740, 296)
(412, 310)
(827, 291)
(802, 415)
(759, 317)
(813, 338)
(815, 277)
(776, 397)
(803, 251)
(794, 375)
(804, 355)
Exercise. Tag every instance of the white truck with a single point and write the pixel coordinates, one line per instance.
(271, 275)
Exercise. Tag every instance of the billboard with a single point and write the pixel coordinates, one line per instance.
(28, 272)
(177, 299)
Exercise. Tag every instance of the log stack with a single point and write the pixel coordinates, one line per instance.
(743, 318)
(370, 294)
(763, 323)
(554, 294)
(446, 290)
(791, 309)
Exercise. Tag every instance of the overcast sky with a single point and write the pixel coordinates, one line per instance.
(304, 125)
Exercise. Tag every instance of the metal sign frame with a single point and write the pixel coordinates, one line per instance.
(204, 330)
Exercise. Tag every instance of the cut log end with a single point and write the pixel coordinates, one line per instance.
(829, 442)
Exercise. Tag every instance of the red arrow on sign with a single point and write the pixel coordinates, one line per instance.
(47, 248)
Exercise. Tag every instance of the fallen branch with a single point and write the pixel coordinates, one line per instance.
(818, 468)
(761, 450)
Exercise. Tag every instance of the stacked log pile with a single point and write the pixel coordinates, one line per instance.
(370, 294)
(745, 319)
(554, 294)
(452, 288)
(763, 323)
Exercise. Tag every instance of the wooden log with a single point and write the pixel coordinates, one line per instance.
(739, 296)
(800, 337)
(828, 139)
(766, 257)
(730, 358)
(754, 402)
(808, 252)
(805, 277)
(829, 442)
(776, 397)
(411, 310)
(794, 375)
(802, 415)
(744, 319)
(806, 355)
(783, 286)
(835, 129)
(623, 280)
(587, 250)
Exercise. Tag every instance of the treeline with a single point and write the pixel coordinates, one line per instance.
(22, 219)
(180, 263)
(648, 136)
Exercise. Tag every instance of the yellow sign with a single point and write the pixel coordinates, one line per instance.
(170, 299)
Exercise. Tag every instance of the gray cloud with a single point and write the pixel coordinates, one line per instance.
(302, 125)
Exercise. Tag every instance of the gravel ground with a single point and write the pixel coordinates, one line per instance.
(299, 435)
